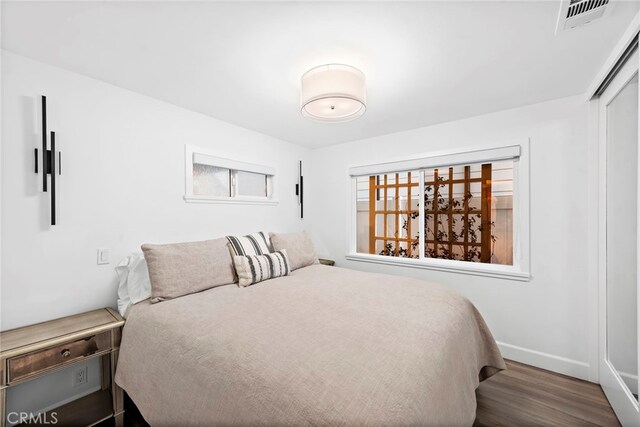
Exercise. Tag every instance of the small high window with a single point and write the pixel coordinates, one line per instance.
(212, 179)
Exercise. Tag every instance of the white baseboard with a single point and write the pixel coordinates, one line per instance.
(550, 362)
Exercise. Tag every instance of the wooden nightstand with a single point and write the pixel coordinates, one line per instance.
(327, 261)
(33, 351)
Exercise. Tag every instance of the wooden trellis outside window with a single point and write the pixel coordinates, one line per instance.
(443, 210)
(453, 227)
(380, 186)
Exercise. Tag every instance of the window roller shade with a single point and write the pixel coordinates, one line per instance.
(203, 159)
(450, 159)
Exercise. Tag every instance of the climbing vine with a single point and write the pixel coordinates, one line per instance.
(450, 217)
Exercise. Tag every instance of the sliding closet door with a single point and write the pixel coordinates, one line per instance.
(619, 278)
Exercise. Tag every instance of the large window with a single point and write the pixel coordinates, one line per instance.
(218, 180)
(458, 211)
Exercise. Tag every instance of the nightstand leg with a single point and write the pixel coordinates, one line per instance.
(3, 405)
(119, 419)
(116, 392)
(105, 370)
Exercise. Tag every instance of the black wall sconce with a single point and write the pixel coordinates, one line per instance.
(48, 161)
(300, 190)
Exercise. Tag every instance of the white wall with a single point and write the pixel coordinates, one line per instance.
(122, 185)
(543, 322)
(123, 182)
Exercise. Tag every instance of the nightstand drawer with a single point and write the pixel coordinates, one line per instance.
(29, 364)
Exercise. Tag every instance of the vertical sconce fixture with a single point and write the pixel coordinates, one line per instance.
(300, 190)
(48, 161)
(333, 93)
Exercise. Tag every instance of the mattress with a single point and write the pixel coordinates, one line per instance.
(324, 345)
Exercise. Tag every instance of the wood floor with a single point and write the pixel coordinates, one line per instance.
(520, 396)
(527, 396)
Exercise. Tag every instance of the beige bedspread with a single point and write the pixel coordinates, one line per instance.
(325, 345)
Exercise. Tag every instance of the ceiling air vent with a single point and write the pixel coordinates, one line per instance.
(575, 13)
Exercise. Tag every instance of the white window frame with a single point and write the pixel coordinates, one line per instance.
(199, 155)
(516, 150)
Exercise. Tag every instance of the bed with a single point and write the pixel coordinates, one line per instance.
(324, 345)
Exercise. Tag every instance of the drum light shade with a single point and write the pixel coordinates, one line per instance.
(333, 93)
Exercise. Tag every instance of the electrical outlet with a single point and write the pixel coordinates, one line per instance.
(80, 376)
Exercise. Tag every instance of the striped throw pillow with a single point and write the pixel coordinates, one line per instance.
(256, 268)
(252, 244)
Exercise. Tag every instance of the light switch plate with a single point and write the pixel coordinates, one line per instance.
(103, 256)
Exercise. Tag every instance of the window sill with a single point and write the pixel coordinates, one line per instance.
(461, 267)
(232, 200)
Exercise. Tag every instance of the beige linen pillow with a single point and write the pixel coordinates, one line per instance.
(184, 268)
(299, 248)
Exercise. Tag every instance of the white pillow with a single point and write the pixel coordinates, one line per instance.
(134, 285)
(123, 293)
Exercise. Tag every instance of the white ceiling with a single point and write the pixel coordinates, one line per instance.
(241, 62)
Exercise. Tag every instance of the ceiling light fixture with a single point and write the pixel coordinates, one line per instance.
(333, 93)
